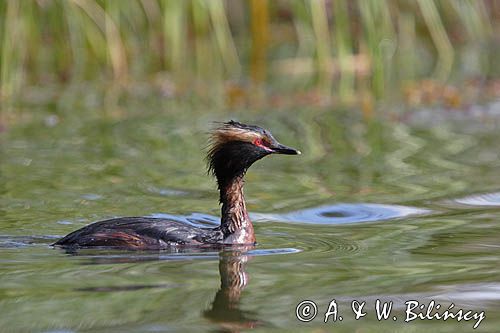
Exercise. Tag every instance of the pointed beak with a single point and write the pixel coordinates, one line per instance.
(282, 149)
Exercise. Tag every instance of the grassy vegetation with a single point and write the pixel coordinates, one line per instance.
(340, 49)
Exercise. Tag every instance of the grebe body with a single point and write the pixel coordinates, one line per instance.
(234, 148)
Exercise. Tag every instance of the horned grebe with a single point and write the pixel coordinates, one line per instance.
(234, 147)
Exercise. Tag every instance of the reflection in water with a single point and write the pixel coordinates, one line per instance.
(122, 288)
(115, 256)
(344, 213)
(225, 309)
(105, 256)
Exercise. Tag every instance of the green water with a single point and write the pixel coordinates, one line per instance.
(371, 210)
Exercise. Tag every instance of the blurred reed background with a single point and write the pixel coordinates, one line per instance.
(246, 52)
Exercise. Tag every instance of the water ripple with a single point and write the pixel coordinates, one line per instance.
(326, 244)
(106, 256)
(310, 242)
(10, 242)
(326, 215)
(473, 295)
(267, 252)
(344, 213)
(484, 199)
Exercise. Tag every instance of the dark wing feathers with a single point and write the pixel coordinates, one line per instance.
(139, 233)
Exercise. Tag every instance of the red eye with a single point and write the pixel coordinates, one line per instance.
(262, 144)
(257, 142)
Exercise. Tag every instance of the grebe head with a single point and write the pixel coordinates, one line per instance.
(236, 146)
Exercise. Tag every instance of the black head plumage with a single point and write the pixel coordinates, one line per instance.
(234, 147)
(231, 150)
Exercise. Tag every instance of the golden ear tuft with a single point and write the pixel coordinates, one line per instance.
(232, 131)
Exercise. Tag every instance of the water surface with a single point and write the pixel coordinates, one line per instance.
(371, 210)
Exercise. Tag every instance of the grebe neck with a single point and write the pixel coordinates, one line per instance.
(235, 222)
